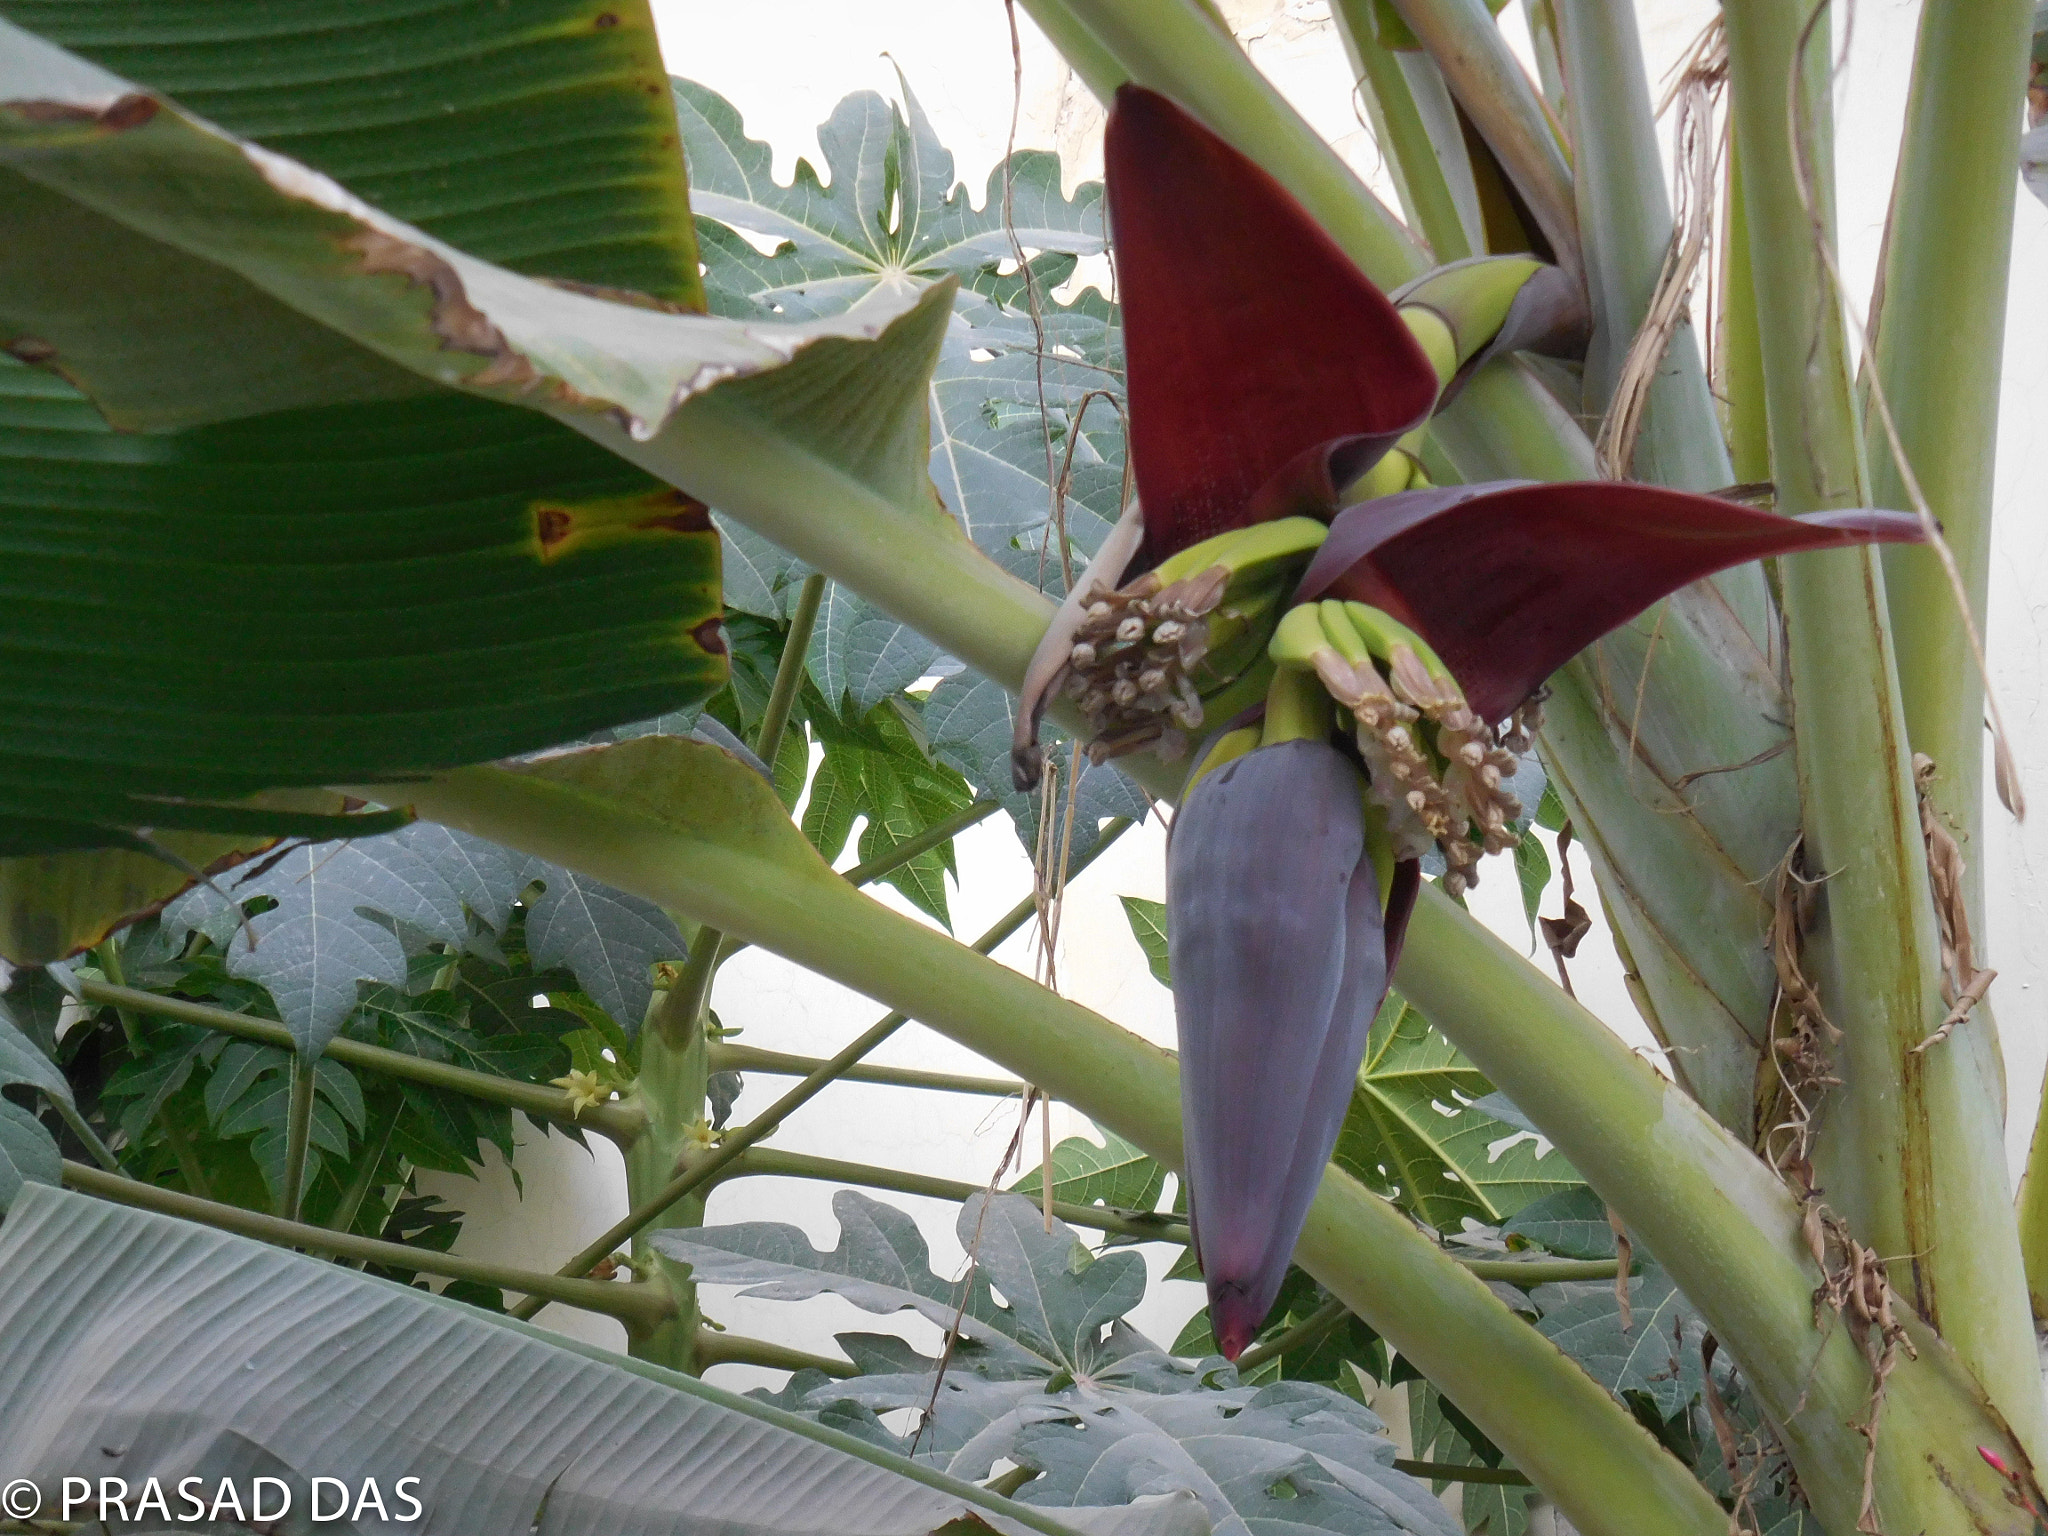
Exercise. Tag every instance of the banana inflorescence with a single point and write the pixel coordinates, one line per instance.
(1145, 654)
(1436, 771)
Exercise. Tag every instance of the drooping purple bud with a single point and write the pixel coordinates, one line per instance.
(1280, 959)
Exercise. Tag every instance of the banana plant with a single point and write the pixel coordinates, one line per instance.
(443, 456)
(1294, 864)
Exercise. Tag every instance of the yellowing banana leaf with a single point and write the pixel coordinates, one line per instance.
(414, 577)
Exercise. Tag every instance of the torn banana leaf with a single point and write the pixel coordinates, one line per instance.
(418, 578)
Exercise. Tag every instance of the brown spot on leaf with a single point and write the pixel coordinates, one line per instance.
(30, 349)
(130, 111)
(553, 524)
(460, 324)
(684, 514)
(710, 636)
(605, 21)
(562, 527)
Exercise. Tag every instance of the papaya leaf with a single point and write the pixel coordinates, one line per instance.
(859, 653)
(339, 907)
(1112, 1173)
(968, 719)
(1062, 1308)
(1416, 1134)
(1571, 1223)
(28, 1153)
(1657, 1355)
(610, 939)
(890, 207)
(1148, 927)
(1285, 1459)
(23, 1064)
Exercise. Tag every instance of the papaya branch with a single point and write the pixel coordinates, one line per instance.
(1145, 1226)
(727, 1057)
(621, 1122)
(702, 1171)
(641, 1307)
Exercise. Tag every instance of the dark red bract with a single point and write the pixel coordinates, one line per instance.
(1508, 580)
(1264, 370)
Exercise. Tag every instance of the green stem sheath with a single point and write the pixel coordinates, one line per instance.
(1909, 1147)
(1430, 169)
(1497, 95)
(298, 1138)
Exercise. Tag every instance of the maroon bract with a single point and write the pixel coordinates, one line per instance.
(1264, 371)
(1508, 580)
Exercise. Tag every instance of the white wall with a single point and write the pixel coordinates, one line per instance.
(784, 64)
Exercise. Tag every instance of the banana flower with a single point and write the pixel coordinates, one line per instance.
(1372, 646)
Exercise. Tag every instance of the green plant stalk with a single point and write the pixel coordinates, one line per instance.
(359, 1187)
(716, 1347)
(681, 1014)
(1446, 1472)
(1307, 1331)
(87, 1136)
(2033, 1214)
(1542, 16)
(1624, 219)
(672, 1086)
(675, 1071)
(639, 1307)
(706, 1167)
(1939, 345)
(1173, 47)
(622, 1123)
(1553, 1420)
(1742, 346)
(894, 858)
(1431, 174)
(187, 1158)
(1729, 1234)
(1497, 95)
(298, 1135)
(789, 670)
(726, 1057)
(1910, 1148)
(768, 1162)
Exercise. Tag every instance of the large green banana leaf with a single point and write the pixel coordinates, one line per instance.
(364, 584)
(138, 1346)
